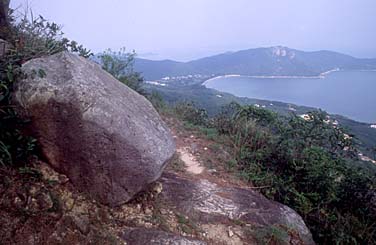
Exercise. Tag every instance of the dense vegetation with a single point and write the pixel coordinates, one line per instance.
(305, 164)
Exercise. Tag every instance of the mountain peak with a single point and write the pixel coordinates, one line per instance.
(280, 51)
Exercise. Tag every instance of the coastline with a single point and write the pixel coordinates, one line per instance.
(265, 77)
(320, 76)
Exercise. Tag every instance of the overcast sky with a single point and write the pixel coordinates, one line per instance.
(189, 29)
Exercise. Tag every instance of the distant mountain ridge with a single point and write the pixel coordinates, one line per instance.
(273, 61)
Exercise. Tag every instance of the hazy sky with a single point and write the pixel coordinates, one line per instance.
(187, 29)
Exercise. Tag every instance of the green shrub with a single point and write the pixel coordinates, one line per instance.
(190, 113)
(303, 164)
(120, 65)
(209, 133)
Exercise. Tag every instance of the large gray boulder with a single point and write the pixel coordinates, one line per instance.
(106, 138)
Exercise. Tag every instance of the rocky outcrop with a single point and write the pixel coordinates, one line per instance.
(142, 236)
(108, 139)
(213, 206)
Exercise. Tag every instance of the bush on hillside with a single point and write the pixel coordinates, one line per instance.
(120, 65)
(187, 111)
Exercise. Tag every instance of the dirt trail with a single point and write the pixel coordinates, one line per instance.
(190, 161)
(203, 159)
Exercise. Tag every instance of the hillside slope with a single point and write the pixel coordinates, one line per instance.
(212, 101)
(273, 61)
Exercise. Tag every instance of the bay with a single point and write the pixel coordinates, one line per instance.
(348, 93)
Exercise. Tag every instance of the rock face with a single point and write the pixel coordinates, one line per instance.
(141, 236)
(106, 138)
(205, 202)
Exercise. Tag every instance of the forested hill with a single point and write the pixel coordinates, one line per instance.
(273, 61)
